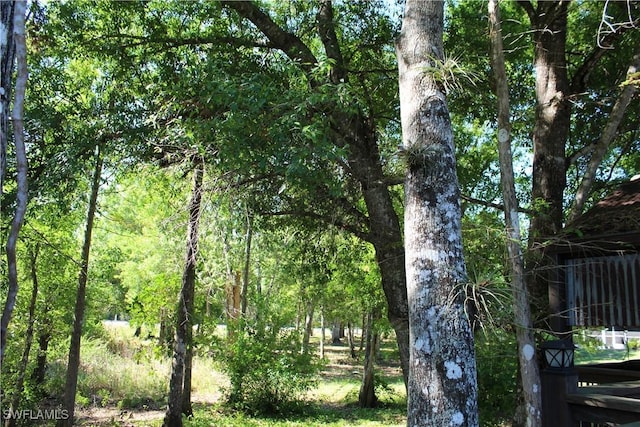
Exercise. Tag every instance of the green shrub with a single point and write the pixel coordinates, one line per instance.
(496, 355)
(267, 372)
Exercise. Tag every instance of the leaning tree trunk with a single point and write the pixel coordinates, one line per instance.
(529, 370)
(78, 321)
(22, 193)
(442, 387)
(184, 319)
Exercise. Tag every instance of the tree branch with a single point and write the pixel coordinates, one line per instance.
(327, 33)
(528, 7)
(603, 144)
(177, 42)
(289, 43)
(493, 205)
(583, 72)
(361, 234)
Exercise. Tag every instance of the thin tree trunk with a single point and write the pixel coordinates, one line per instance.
(21, 166)
(44, 337)
(367, 397)
(22, 369)
(607, 137)
(442, 388)
(529, 371)
(187, 407)
(308, 326)
(184, 319)
(352, 349)
(247, 263)
(322, 332)
(335, 333)
(364, 328)
(78, 321)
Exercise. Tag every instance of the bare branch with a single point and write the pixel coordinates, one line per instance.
(608, 28)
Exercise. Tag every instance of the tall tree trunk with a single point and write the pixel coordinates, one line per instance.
(335, 333)
(22, 369)
(7, 56)
(551, 128)
(184, 318)
(442, 387)
(602, 146)
(384, 226)
(78, 321)
(367, 397)
(22, 192)
(529, 371)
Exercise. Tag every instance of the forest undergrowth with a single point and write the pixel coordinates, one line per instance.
(123, 382)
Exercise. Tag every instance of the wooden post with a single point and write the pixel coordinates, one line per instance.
(557, 384)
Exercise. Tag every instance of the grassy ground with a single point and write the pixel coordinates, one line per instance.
(589, 356)
(128, 364)
(123, 383)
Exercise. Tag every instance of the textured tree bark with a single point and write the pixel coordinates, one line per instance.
(22, 193)
(442, 388)
(528, 363)
(184, 319)
(78, 321)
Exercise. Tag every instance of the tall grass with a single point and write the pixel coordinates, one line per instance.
(107, 377)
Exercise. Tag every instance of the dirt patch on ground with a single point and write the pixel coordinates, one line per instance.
(112, 416)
